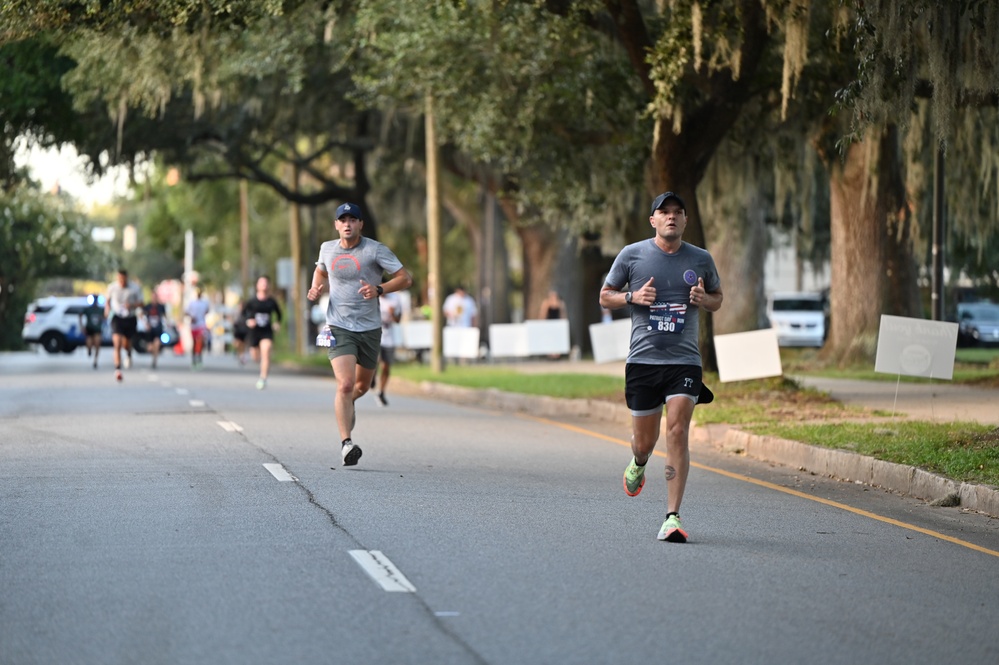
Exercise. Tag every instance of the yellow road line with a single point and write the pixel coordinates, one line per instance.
(785, 490)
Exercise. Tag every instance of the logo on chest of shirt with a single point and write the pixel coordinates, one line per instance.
(690, 277)
(347, 265)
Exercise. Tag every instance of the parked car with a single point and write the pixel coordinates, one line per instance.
(978, 323)
(798, 317)
(54, 322)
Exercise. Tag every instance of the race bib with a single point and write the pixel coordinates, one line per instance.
(667, 318)
(154, 321)
(262, 319)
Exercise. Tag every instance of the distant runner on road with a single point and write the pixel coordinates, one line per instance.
(352, 268)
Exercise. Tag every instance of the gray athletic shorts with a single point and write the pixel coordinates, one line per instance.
(362, 345)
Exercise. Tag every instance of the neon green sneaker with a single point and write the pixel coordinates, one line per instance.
(672, 530)
(634, 478)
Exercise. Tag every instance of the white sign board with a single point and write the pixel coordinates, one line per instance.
(461, 342)
(545, 336)
(748, 355)
(285, 273)
(508, 340)
(916, 347)
(417, 335)
(610, 341)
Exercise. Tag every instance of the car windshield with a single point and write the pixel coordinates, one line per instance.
(983, 313)
(797, 305)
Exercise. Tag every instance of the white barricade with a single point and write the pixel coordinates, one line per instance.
(539, 337)
(417, 335)
(547, 337)
(461, 342)
(508, 340)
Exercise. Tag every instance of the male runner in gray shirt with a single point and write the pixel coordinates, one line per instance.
(668, 281)
(352, 267)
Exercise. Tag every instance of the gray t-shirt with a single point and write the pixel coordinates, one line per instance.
(368, 260)
(664, 333)
(123, 299)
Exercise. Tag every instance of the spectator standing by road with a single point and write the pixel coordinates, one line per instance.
(263, 318)
(120, 303)
(197, 313)
(668, 281)
(460, 309)
(352, 267)
(552, 307)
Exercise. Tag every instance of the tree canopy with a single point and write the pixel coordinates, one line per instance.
(40, 237)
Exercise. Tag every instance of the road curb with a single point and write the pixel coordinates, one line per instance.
(840, 464)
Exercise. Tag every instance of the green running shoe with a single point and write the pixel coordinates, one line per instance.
(672, 530)
(634, 478)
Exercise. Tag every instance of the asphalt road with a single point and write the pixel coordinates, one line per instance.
(185, 517)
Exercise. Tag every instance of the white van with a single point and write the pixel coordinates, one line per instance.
(798, 317)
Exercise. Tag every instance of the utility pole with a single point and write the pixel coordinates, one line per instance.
(244, 239)
(434, 240)
(295, 239)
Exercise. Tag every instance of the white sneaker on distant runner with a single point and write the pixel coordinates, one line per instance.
(351, 453)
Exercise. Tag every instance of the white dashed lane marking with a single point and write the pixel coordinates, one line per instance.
(280, 473)
(229, 426)
(196, 402)
(382, 571)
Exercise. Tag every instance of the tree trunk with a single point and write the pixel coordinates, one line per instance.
(872, 266)
(672, 171)
(739, 250)
(541, 248)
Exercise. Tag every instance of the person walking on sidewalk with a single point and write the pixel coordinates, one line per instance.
(666, 282)
(263, 318)
(352, 268)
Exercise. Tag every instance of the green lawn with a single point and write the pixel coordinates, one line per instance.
(961, 451)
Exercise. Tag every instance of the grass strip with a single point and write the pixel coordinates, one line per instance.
(966, 452)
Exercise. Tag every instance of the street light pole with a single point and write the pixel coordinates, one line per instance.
(434, 240)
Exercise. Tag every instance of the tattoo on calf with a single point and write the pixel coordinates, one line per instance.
(670, 472)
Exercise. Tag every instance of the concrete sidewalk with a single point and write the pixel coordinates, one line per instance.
(938, 402)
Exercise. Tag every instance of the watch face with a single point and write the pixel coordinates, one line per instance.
(627, 297)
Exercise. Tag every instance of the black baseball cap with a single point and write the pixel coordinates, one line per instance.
(665, 196)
